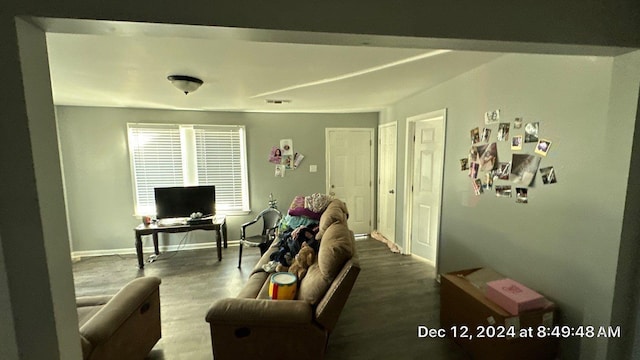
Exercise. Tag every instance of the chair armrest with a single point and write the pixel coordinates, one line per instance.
(130, 299)
(247, 312)
(244, 226)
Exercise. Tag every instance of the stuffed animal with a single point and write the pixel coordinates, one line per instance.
(305, 258)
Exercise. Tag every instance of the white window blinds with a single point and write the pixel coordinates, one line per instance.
(219, 150)
(169, 155)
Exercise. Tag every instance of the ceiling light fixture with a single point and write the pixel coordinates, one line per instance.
(185, 83)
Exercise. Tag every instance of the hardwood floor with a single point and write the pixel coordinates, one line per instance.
(392, 296)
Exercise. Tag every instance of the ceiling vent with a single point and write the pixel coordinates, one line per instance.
(277, 101)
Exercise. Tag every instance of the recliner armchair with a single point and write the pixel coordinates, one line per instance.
(270, 220)
(125, 326)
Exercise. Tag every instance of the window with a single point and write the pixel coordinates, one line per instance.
(187, 155)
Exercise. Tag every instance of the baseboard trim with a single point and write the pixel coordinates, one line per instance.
(77, 255)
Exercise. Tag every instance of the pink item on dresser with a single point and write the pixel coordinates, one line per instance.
(513, 296)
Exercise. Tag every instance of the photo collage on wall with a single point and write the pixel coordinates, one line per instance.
(284, 157)
(484, 165)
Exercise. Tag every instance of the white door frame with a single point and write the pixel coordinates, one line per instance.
(393, 124)
(408, 177)
(371, 167)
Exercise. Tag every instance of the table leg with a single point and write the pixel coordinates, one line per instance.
(155, 243)
(219, 244)
(224, 234)
(139, 251)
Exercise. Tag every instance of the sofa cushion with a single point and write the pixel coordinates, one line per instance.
(313, 286)
(336, 211)
(336, 247)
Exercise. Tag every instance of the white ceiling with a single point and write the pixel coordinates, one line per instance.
(118, 67)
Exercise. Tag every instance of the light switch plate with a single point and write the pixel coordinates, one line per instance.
(313, 168)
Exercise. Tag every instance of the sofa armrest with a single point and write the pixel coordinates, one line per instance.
(130, 299)
(246, 312)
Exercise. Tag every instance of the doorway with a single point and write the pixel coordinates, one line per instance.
(349, 156)
(423, 191)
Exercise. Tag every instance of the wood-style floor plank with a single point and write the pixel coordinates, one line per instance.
(392, 296)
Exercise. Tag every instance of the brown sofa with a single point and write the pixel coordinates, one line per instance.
(251, 326)
(123, 326)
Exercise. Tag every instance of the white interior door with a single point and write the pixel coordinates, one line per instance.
(350, 173)
(387, 154)
(427, 156)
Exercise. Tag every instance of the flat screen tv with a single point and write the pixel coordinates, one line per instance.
(177, 202)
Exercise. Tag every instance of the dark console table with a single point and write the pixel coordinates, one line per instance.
(219, 225)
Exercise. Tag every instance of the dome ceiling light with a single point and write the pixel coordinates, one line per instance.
(185, 83)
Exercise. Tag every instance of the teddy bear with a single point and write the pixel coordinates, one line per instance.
(305, 257)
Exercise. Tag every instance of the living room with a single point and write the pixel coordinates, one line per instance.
(595, 97)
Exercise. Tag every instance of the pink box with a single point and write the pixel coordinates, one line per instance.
(513, 296)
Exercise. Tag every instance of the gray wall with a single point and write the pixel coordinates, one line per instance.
(97, 170)
(565, 242)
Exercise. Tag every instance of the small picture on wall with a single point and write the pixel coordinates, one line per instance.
(488, 181)
(473, 154)
(503, 131)
(521, 196)
(503, 190)
(464, 164)
(286, 145)
(548, 175)
(517, 123)
(297, 159)
(477, 187)
(524, 168)
(486, 156)
(280, 169)
(502, 173)
(276, 155)
(492, 117)
(486, 134)
(473, 170)
(531, 132)
(475, 136)
(543, 147)
(287, 161)
(516, 142)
